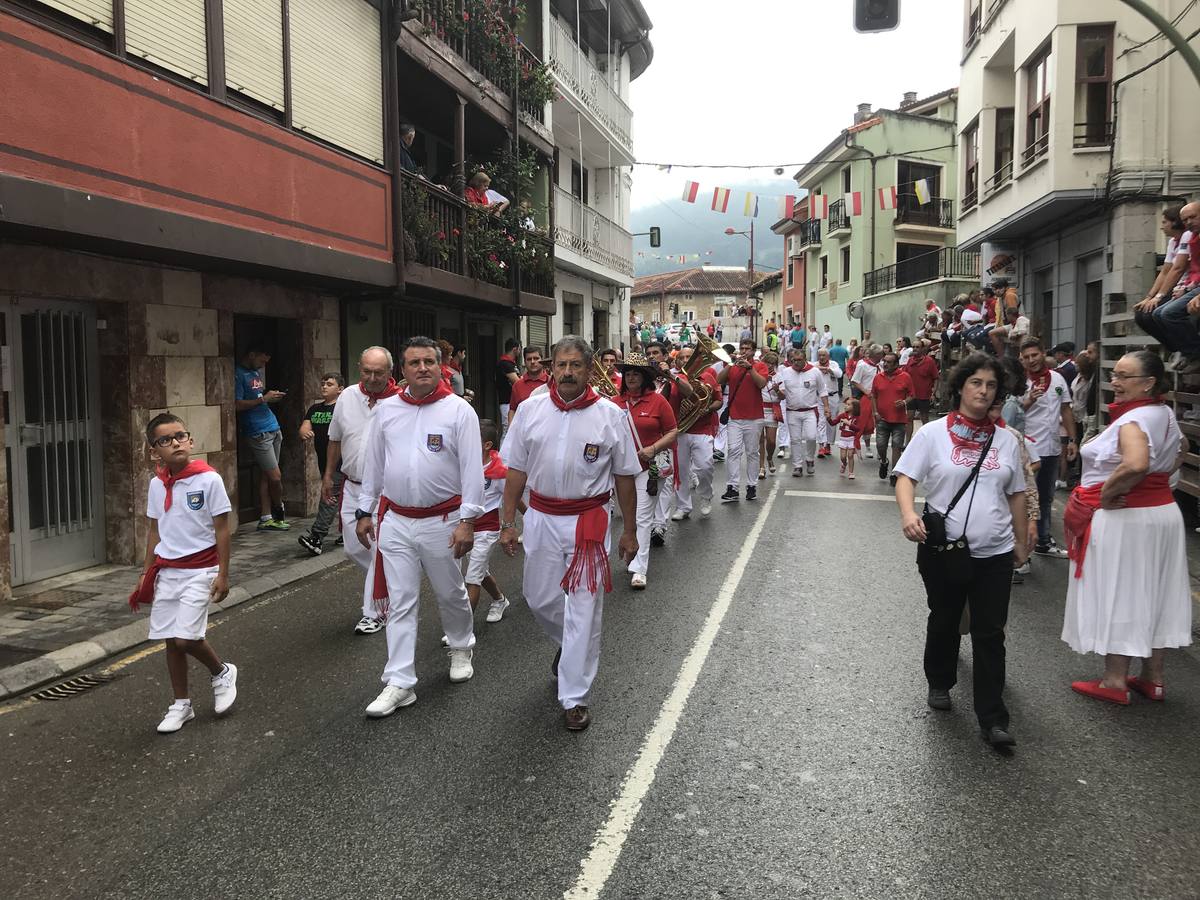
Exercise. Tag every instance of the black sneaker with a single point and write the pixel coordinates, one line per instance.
(883, 467)
(310, 543)
(731, 495)
(718, 456)
(892, 480)
(658, 538)
(751, 493)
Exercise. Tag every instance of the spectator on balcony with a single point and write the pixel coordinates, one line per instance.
(407, 135)
(479, 193)
(932, 309)
(1166, 316)
(990, 303)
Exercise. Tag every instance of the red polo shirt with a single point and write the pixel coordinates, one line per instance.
(924, 374)
(707, 423)
(524, 386)
(746, 402)
(886, 390)
(651, 415)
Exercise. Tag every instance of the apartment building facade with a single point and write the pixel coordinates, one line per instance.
(889, 260)
(794, 297)
(183, 181)
(706, 294)
(1074, 133)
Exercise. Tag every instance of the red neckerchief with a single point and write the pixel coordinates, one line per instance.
(1041, 379)
(442, 390)
(391, 390)
(1116, 410)
(495, 467)
(583, 401)
(447, 374)
(968, 432)
(194, 467)
(807, 366)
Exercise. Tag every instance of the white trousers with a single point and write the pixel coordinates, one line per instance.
(826, 433)
(802, 426)
(352, 499)
(408, 547)
(744, 435)
(647, 507)
(570, 620)
(783, 437)
(695, 458)
(503, 421)
(721, 442)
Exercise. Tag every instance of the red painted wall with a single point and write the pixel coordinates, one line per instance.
(795, 296)
(80, 118)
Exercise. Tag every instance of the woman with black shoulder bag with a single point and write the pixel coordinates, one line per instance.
(972, 532)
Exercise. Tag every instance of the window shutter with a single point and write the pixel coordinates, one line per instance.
(539, 332)
(169, 33)
(337, 79)
(254, 49)
(97, 13)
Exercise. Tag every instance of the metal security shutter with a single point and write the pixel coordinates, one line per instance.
(539, 333)
(97, 13)
(337, 82)
(254, 49)
(168, 33)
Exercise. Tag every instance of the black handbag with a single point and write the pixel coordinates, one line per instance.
(951, 557)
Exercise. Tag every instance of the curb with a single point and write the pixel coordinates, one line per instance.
(56, 664)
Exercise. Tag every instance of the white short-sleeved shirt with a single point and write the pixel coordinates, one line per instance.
(940, 467)
(971, 317)
(802, 390)
(1102, 454)
(1172, 250)
(571, 454)
(904, 355)
(351, 418)
(864, 375)
(1042, 420)
(187, 527)
(493, 492)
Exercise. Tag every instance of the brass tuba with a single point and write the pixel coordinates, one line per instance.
(600, 381)
(706, 353)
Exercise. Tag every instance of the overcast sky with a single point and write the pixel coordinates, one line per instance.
(771, 82)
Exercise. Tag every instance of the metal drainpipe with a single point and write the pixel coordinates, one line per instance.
(392, 95)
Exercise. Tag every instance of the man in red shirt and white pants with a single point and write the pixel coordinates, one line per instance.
(891, 390)
(569, 449)
(746, 378)
(423, 485)
(694, 449)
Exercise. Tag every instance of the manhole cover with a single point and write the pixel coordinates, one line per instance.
(57, 599)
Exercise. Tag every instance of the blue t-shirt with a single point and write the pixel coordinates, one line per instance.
(250, 386)
(797, 337)
(839, 354)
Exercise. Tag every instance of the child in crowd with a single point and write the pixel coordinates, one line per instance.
(849, 429)
(487, 526)
(187, 564)
(315, 428)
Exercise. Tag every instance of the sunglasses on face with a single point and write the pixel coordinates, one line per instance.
(167, 439)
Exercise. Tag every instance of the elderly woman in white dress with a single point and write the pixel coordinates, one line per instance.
(1128, 594)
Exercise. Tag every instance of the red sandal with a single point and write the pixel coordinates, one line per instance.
(1096, 691)
(1149, 689)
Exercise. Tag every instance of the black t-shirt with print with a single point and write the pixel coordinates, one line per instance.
(319, 415)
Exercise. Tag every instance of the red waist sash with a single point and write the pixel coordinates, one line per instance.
(144, 592)
(489, 521)
(380, 592)
(590, 559)
(1153, 490)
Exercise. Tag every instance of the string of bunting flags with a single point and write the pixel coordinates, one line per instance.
(681, 258)
(818, 204)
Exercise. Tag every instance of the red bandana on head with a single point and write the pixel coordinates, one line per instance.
(373, 397)
(584, 400)
(442, 390)
(194, 467)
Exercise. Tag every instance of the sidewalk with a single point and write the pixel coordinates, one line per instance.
(54, 627)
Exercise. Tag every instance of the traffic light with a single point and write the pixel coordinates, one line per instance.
(655, 236)
(876, 15)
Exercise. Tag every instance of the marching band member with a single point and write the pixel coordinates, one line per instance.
(746, 378)
(694, 450)
(424, 486)
(803, 389)
(670, 382)
(570, 449)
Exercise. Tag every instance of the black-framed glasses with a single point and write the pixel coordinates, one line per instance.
(167, 439)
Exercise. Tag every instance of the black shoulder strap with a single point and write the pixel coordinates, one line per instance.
(974, 473)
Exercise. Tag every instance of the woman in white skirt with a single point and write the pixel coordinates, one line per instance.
(1128, 594)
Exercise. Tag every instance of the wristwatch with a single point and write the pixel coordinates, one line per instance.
(360, 514)
(504, 525)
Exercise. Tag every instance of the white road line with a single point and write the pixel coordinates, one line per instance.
(831, 495)
(598, 867)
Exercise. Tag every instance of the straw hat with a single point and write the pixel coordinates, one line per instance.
(638, 362)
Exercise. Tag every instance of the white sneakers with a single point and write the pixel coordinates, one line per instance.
(679, 515)
(224, 689)
(638, 581)
(368, 625)
(496, 611)
(460, 665)
(179, 713)
(705, 507)
(390, 699)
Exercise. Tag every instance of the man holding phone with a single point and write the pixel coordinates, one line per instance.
(260, 427)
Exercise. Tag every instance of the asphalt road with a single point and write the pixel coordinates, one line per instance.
(804, 764)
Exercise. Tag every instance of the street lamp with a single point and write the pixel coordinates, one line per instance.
(749, 275)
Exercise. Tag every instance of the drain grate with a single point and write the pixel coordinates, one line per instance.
(65, 690)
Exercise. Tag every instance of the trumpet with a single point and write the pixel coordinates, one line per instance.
(600, 381)
(692, 408)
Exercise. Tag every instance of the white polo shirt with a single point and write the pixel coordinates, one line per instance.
(351, 418)
(1043, 418)
(864, 375)
(187, 527)
(802, 390)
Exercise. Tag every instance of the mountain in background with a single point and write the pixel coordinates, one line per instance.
(691, 228)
